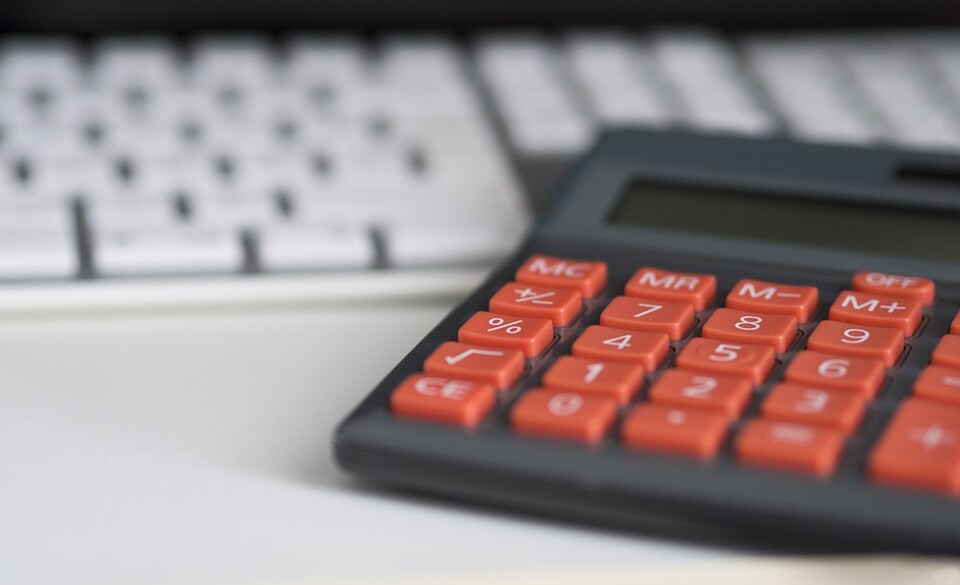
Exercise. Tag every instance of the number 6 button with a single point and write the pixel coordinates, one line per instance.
(708, 355)
(823, 370)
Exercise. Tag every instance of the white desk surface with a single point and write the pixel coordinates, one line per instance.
(194, 448)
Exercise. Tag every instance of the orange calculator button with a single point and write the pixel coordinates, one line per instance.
(672, 318)
(608, 343)
(721, 357)
(947, 352)
(770, 297)
(879, 311)
(587, 277)
(674, 429)
(789, 446)
(500, 367)
(577, 416)
(777, 331)
(618, 380)
(800, 404)
(443, 399)
(920, 448)
(528, 334)
(894, 285)
(560, 305)
(726, 394)
(882, 343)
(823, 370)
(664, 285)
(955, 326)
(938, 383)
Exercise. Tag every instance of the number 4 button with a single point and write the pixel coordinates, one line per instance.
(642, 347)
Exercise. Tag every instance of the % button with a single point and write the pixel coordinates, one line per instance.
(529, 335)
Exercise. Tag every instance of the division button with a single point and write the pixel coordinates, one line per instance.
(947, 352)
(938, 383)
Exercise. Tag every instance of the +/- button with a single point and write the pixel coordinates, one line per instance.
(672, 318)
(894, 285)
(560, 305)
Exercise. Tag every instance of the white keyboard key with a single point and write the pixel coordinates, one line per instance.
(421, 60)
(319, 62)
(39, 64)
(618, 79)
(172, 251)
(46, 143)
(447, 243)
(37, 256)
(286, 247)
(141, 63)
(142, 141)
(236, 211)
(897, 85)
(546, 136)
(810, 88)
(52, 220)
(117, 214)
(232, 62)
(709, 82)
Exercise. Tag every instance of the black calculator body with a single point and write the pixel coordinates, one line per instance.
(703, 335)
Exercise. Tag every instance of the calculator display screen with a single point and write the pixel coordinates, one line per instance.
(781, 218)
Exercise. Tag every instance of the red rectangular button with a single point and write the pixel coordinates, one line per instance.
(720, 357)
(664, 285)
(894, 285)
(789, 446)
(500, 367)
(876, 310)
(609, 343)
(800, 404)
(771, 297)
(674, 429)
(619, 380)
(575, 416)
(672, 318)
(947, 352)
(920, 448)
(938, 383)
(560, 305)
(440, 399)
(955, 326)
(726, 394)
(882, 343)
(587, 277)
(529, 335)
(823, 370)
(776, 331)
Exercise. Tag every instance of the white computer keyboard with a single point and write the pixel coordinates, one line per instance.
(152, 170)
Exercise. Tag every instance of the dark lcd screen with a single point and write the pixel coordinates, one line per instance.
(778, 218)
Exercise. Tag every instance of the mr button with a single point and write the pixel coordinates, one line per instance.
(663, 285)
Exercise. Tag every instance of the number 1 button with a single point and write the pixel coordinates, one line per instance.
(642, 347)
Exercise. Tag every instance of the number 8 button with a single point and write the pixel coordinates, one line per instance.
(776, 331)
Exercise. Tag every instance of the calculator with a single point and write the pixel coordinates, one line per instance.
(703, 335)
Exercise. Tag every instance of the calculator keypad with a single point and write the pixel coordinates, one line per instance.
(768, 377)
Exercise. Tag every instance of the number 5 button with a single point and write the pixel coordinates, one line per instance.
(742, 359)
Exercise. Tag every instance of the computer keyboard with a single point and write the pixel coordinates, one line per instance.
(212, 168)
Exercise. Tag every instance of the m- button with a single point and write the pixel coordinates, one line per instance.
(587, 277)
(877, 310)
(769, 297)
